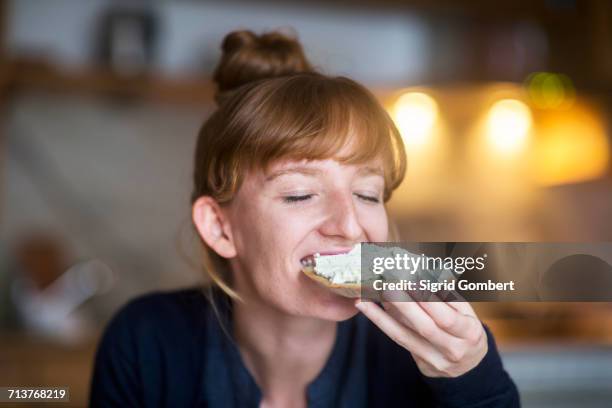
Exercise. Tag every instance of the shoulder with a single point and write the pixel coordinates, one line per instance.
(157, 318)
(150, 347)
(153, 307)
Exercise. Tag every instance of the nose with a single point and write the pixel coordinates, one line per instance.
(342, 220)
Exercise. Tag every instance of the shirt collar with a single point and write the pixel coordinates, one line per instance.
(323, 391)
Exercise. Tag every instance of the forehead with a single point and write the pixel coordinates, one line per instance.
(320, 167)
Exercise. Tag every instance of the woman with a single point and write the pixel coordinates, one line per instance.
(292, 163)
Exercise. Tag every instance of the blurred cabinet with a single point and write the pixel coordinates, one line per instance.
(32, 362)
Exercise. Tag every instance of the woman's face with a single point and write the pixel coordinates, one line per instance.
(297, 209)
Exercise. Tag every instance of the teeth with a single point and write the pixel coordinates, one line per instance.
(308, 262)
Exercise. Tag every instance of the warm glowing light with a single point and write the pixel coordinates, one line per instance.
(415, 116)
(571, 148)
(508, 125)
(548, 90)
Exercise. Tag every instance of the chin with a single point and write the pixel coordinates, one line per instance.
(341, 314)
(335, 307)
(319, 302)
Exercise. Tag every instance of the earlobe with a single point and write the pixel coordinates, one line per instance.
(208, 219)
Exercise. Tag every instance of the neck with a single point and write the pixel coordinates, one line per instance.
(283, 352)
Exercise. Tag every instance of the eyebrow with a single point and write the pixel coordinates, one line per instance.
(368, 170)
(308, 171)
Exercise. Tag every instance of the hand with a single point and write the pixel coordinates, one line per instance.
(446, 339)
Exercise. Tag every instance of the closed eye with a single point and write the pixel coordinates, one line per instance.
(306, 197)
(371, 199)
(297, 198)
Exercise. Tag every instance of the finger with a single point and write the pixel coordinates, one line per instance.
(464, 307)
(410, 314)
(472, 330)
(414, 317)
(458, 302)
(399, 333)
(450, 350)
(397, 315)
(449, 319)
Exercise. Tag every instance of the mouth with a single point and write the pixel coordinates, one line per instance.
(338, 270)
(309, 261)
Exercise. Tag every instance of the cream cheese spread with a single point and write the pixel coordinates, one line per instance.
(340, 268)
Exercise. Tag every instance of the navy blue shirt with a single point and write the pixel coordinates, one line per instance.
(173, 349)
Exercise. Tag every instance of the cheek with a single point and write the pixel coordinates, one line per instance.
(266, 241)
(256, 226)
(375, 223)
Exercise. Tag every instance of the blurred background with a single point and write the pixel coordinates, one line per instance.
(505, 107)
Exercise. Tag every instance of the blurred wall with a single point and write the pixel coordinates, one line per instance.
(340, 41)
(111, 178)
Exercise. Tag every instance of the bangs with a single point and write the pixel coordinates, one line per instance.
(306, 118)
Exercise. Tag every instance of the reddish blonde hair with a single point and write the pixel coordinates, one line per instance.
(248, 57)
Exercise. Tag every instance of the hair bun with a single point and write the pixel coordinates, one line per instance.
(238, 39)
(250, 57)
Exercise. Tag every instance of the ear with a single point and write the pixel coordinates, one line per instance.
(213, 227)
